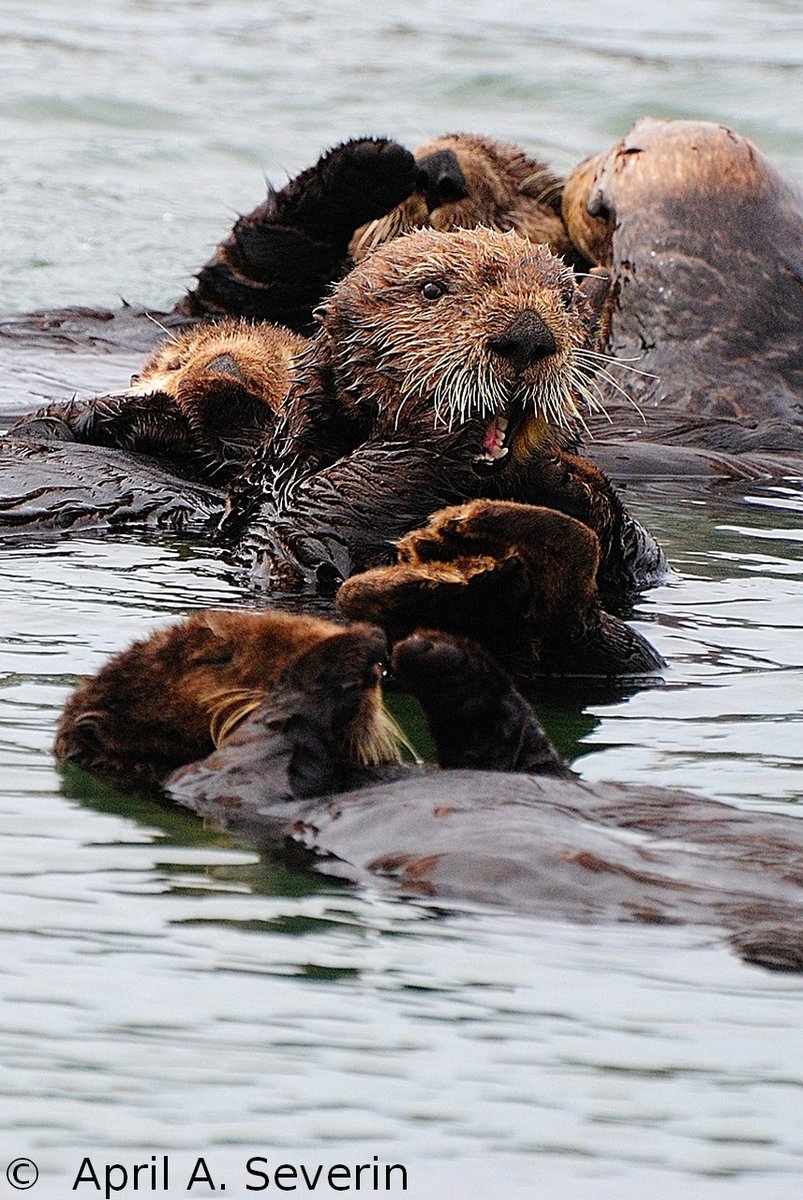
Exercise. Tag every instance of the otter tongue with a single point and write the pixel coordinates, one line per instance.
(495, 436)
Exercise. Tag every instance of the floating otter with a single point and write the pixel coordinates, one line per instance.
(704, 240)
(492, 416)
(464, 181)
(205, 400)
(524, 834)
(448, 366)
(279, 261)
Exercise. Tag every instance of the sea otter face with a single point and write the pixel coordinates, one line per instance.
(445, 329)
(169, 698)
(465, 181)
(588, 210)
(257, 359)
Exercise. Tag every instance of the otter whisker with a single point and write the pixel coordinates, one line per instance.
(583, 388)
(172, 335)
(601, 373)
(228, 707)
(597, 356)
(375, 737)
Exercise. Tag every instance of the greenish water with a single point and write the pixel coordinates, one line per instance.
(164, 991)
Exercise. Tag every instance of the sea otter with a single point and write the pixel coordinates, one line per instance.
(704, 240)
(171, 697)
(448, 366)
(204, 401)
(278, 262)
(505, 823)
(465, 181)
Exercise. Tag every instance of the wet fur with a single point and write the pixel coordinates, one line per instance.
(168, 698)
(519, 579)
(394, 398)
(704, 240)
(502, 188)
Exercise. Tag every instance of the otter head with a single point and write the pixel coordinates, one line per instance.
(464, 181)
(228, 380)
(170, 699)
(470, 330)
(257, 359)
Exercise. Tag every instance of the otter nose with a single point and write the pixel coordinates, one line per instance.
(526, 341)
(440, 179)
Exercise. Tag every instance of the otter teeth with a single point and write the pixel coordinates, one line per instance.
(493, 446)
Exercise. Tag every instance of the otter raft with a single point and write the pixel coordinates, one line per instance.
(401, 589)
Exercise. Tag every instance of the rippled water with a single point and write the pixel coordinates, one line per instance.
(165, 991)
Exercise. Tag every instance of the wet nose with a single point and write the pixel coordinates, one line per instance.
(440, 179)
(526, 341)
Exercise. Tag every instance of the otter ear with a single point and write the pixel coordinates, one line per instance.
(595, 287)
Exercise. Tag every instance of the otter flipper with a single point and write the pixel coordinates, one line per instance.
(279, 261)
(520, 579)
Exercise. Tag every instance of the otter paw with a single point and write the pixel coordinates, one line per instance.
(431, 655)
(367, 177)
(477, 717)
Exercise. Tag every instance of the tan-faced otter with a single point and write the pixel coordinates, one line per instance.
(505, 824)
(448, 366)
(704, 240)
(204, 401)
(464, 181)
(279, 261)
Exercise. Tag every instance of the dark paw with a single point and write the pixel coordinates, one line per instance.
(369, 177)
(43, 429)
(431, 656)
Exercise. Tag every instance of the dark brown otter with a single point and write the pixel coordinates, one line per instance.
(172, 697)
(448, 366)
(704, 239)
(523, 834)
(279, 261)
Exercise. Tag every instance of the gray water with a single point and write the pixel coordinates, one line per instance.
(165, 992)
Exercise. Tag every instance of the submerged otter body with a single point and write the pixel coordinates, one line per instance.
(523, 833)
(448, 366)
(704, 239)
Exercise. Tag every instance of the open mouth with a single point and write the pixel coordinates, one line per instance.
(499, 435)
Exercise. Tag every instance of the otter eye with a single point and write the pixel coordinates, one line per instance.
(567, 295)
(432, 290)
